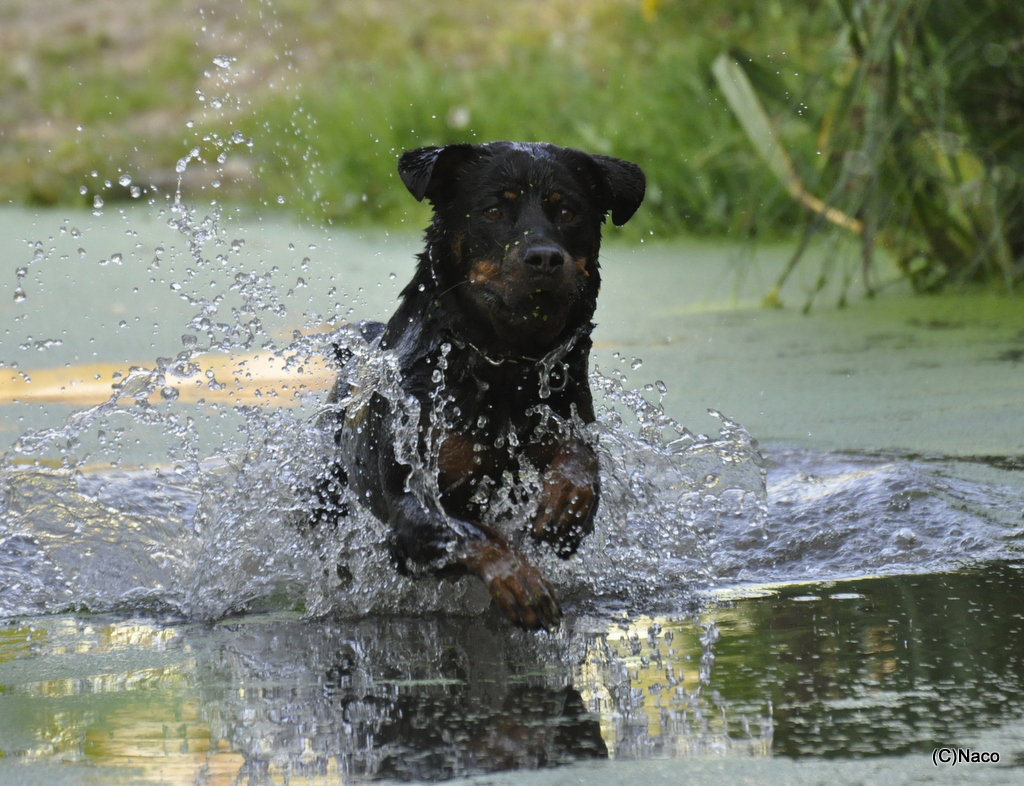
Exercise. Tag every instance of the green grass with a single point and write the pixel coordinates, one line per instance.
(331, 93)
(628, 87)
(344, 88)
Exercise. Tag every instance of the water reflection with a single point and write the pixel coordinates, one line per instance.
(270, 697)
(891, 666)
(436, 699)
(869, 667)
(397, 699)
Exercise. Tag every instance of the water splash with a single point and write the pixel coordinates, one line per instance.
(229, 534)
(210, 522)
(205, 535)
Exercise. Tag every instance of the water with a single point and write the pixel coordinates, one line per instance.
(202, 538)
(805, 567)
(806, 557)
(838, 589)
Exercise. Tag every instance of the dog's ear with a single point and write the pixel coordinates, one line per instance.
(427, 170)
(625, 184)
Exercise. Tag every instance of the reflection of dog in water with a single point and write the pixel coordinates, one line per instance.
(492, 339)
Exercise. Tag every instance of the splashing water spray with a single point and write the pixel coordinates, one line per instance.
(208, 529)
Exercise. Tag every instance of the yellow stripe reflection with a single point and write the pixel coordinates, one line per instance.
(258, 378)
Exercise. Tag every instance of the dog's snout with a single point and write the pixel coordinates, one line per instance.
(544, 259)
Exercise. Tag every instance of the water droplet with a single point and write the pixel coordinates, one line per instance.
(280, 200)
(125, 180)
(97, 201)
(223, 61)
(637, 362)
(181, 165)
(169, 393)
(19, 295)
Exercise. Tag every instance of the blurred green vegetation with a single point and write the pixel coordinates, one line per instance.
(596, 75)
(904, 116)
(913, 136)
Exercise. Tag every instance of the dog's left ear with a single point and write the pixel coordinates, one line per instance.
(625, 184)
(428, 170)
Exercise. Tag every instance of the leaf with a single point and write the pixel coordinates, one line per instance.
(748, 110)
(743, 101)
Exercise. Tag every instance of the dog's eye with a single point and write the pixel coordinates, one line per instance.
(492, 213)
(567, 215)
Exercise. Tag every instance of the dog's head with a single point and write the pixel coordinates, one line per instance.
(516, 233)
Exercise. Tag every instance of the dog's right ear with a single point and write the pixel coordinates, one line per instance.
(428, 170)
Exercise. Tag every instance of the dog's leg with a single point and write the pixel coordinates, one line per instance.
(328, 488)
(426, 537)
(520, 590)
(568, 502)
(327, 504)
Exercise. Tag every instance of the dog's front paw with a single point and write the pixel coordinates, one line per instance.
(568, 501)
(519, 589)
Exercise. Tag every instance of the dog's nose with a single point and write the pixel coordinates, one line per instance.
(544, 259)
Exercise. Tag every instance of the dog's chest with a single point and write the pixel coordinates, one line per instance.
(489, 417)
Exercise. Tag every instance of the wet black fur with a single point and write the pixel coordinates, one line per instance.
(492, 373)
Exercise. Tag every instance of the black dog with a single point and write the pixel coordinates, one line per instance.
(492, 338)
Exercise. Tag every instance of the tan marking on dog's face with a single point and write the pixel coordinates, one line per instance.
(457, 246)
(511, 195)
(483, 270)
(554, 196)
(581, 266)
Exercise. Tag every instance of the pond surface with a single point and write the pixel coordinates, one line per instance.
(831, 602)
